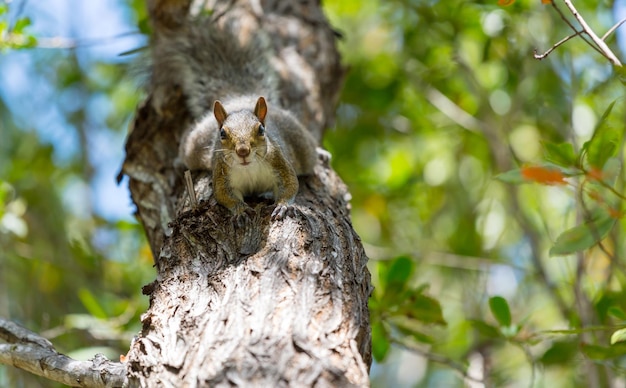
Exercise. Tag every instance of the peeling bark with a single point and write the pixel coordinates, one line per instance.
(271, 303)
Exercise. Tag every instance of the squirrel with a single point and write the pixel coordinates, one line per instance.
(251, 146)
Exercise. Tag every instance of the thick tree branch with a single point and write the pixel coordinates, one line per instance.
(265, 303)
(28, 351)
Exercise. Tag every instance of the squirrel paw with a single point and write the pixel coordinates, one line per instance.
(241, 214)
(282, 210)
(323, 155)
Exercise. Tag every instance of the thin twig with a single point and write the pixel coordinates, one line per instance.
(606, 51)
(557, 44)
(612, 29)
(190, 190)
(566, 20)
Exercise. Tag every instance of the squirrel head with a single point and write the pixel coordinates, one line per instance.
(242, 133)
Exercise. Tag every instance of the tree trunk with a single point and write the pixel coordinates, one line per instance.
(273, 303)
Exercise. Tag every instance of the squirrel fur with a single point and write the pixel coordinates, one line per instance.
(252, 145)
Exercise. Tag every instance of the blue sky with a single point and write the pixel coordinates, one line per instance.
(103, 30)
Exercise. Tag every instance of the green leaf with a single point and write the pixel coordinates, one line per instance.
(561, 154)
(424, 309)
(91, 303)
(411, 327)
(617, 312)
(605, 141)
(21, 24)
(560, 353)
(400, 272)
(513, 176)
(485, 329)
(621, 73)
(583, 236)
(421, 337)
(596, 352)
(395, 276)
(618, 336)
(610, 171)
(380, 341)
(500, 310)
(144, 26)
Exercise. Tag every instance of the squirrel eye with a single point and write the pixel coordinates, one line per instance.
(222, 134)
(261, 130)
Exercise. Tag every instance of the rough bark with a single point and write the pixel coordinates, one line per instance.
(271, 303)
(35, 354)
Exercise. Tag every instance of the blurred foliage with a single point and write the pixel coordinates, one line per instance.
(487, 188)
(67, 270)
(14, 36)
(492, 182)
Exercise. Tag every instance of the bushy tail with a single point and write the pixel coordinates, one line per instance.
(210, 63)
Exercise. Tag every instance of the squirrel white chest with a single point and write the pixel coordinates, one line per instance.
(257, 177)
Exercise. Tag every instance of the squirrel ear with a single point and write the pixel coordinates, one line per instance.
(219, 112)
(260, 110)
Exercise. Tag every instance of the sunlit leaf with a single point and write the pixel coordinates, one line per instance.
(618, 336)
(505, 3)
(21, 24)
(500, 310)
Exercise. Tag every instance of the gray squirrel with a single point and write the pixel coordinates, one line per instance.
(241, 134)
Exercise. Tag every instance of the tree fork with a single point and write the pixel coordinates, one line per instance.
(272, 303)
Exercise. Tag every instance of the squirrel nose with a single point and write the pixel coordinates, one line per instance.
(243, 151)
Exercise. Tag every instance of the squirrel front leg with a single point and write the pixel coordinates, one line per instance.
(225, 195)
(286, 187)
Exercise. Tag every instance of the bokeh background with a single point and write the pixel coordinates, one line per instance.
(440, 98)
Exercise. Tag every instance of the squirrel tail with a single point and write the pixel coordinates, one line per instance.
(207, 62)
